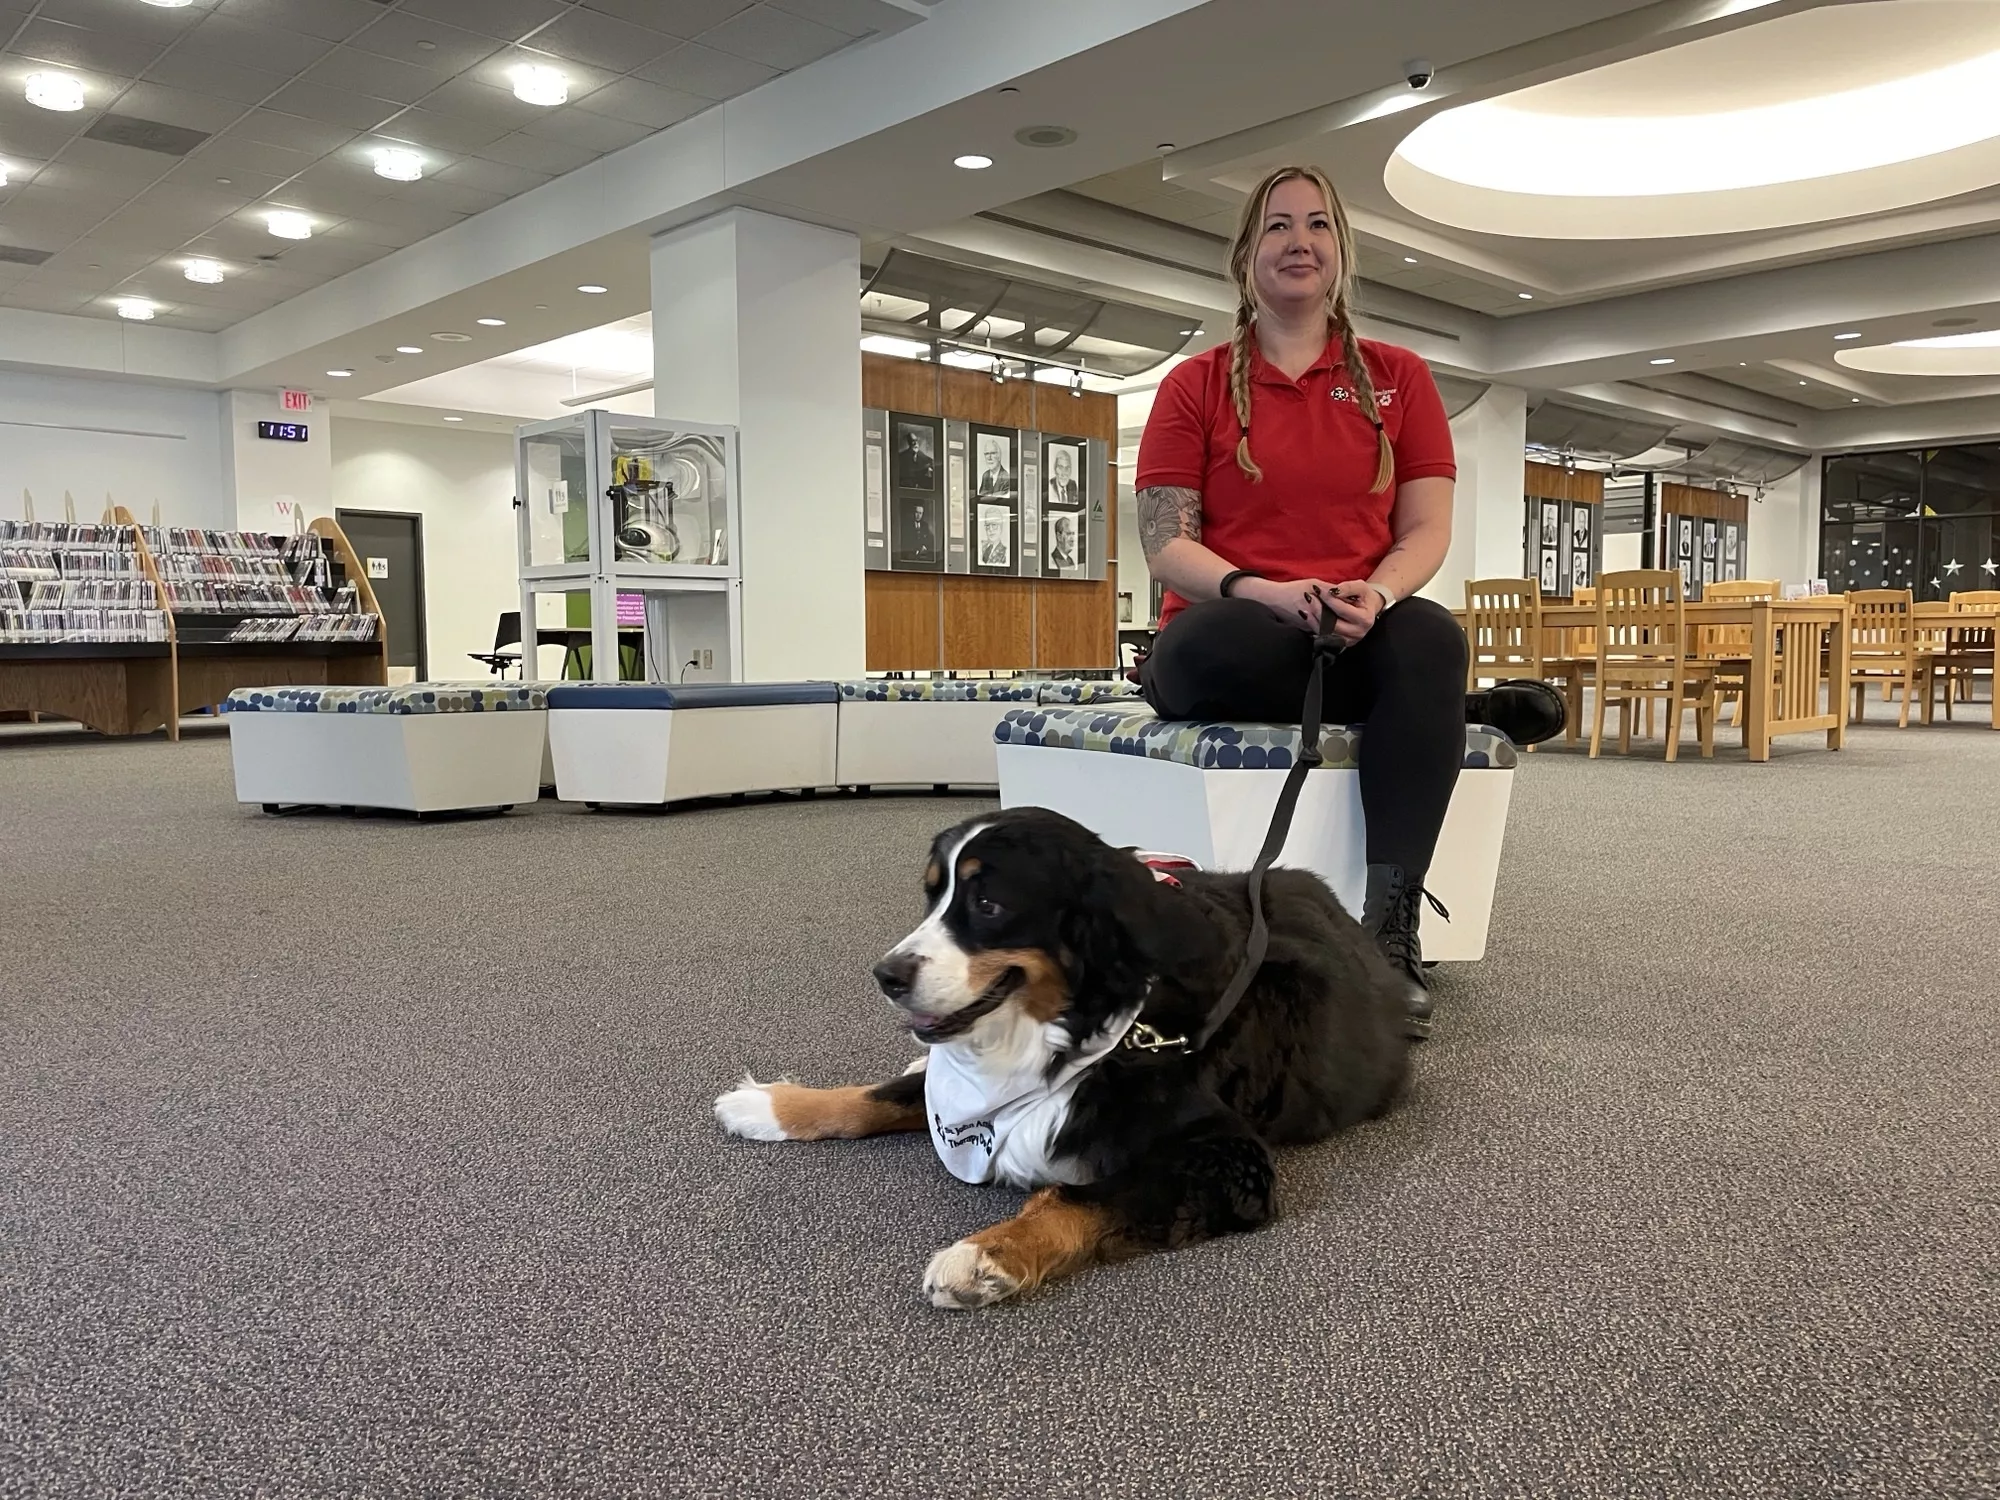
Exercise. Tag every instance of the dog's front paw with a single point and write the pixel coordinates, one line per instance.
(746, 1111)
(965, 1275)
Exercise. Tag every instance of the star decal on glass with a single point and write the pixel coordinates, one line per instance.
(1952, 567)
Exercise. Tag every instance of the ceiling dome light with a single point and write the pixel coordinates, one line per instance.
(287, 225)
(491, 322)
(538, 84)
(57, 91)
(138, 309)
(398, 165)
(340, 374)
(591, 289)
(409, 349)
(207, 272)
(972, 161)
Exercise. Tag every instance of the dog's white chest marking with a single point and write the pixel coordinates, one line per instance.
(995, 1112)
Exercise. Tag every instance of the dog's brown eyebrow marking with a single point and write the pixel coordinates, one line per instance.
(933, 872)
(967, 868)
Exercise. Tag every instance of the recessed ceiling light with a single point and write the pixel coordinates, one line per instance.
(1840, 336)
(226, 181)
(539, 84)
(207, 272)
(1805, 382)
(1855, 400)
(972, 161)
(451, 338)
(1045, 137)
(493, 322)
(287, 225)
(454, 419)
(57, 91)
(398, 165)
(340, 374)
(591, 289)
(1659, 361)
(170, 4)
(138, 309)
(409, 348)
(1409, 260)
(1525, 296)
(1742, 364)
(3, 174)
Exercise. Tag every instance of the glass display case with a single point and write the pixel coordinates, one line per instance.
(610, 504)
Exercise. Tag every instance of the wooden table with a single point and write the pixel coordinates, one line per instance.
(1939, 617)
(1797, 680)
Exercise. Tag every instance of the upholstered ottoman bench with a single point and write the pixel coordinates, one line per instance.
(648, 743)
(423, 747)
(1208, 790)
(922, 731)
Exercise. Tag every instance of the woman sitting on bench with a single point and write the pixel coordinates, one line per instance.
(1300, 464)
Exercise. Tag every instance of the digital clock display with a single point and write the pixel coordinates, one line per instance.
(284, 432)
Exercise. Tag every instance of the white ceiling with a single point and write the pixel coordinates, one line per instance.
(290, 97)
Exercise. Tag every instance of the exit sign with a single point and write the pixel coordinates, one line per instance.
(296, 401)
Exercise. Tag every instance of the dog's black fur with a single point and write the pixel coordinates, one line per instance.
(1177, 1147)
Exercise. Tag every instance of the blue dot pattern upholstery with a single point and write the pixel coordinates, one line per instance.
(474, 697)
(1214, 747)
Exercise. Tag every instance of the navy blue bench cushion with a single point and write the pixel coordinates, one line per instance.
(664, 695)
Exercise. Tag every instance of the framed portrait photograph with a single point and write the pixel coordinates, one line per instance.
(1579, 570)
(1067, 542)
(914, 451)
(1729, 536)
(1551, 523)
(1579, 528)
(1551, 575)
(1684, 543)
(1708, 539)
(1063, 485)
(994, 464)
(994, 538)
(917, 537)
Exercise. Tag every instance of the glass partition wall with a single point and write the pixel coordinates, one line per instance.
(1921, 519)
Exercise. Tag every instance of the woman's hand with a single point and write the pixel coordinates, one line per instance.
(1356, 606)
(1296, 602)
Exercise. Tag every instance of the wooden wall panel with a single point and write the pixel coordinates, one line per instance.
(890, 384)
(989, 624)
(1691, 500)
(1549, 482)
(1093, 414)
(905, 621)
(971, 396)
(1076, 624)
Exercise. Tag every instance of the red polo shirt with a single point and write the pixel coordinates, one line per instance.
(1312, 515)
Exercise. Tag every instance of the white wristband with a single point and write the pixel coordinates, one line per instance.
(1387, 597)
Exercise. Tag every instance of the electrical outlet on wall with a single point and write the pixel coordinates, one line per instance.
(708, 661)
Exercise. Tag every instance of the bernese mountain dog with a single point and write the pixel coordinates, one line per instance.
(1059, 988)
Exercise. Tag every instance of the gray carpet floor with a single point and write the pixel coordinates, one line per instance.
(362, 1158)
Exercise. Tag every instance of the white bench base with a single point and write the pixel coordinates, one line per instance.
(404, 762)
(1219, 819)
(918, 744)
(642, 756)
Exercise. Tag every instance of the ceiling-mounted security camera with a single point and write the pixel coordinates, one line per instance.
(1418, 72)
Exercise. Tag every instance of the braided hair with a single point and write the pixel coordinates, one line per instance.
(1339, 312)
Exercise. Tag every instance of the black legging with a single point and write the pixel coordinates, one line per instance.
(1234, 659)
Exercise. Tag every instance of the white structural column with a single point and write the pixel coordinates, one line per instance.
(757, 324)
(266, 477)
(1491, 438)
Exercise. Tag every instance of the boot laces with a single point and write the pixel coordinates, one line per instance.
(1399, 930)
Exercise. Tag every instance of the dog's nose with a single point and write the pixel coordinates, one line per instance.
(896, 973)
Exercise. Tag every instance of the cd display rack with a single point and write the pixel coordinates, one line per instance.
(125, 628)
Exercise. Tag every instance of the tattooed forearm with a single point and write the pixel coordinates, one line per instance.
(1166, 512)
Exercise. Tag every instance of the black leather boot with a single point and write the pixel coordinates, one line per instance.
(1389, 911)
(1523, 709)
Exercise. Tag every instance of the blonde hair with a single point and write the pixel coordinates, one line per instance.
(1338, 312)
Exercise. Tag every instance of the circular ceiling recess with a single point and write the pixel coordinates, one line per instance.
(1954, 354)
(1821, 114)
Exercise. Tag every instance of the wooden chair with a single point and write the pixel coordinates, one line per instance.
(1966, 649)
(1505, 637)
(1882, 647)
(1642, 654)
(1728, 646)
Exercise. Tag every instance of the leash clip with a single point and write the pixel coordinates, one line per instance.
(1144, 1038)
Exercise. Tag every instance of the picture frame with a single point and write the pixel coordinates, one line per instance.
(916, 453)
(1066, 552)
(916, 541)
(993, 536)
(993, 476)
(1551, 576)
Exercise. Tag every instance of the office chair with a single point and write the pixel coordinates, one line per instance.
(506, 633)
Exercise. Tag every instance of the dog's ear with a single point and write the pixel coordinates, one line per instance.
(1121, 929)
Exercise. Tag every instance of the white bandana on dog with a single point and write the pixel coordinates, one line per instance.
(998, 1124)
